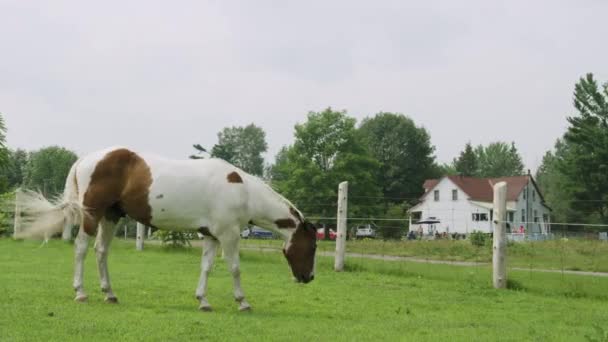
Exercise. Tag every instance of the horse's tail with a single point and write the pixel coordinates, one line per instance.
(41, 217)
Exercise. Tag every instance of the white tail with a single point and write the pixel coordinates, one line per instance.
(42, 217)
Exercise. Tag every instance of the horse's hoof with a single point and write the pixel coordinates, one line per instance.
(111, 300)
(205, 308)
(244, 306)
(81, 298)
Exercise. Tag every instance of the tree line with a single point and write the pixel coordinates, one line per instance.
(385, 158)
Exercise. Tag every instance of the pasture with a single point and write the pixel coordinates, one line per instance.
(559, 254)
(372, 300)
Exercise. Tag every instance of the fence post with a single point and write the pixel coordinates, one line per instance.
(341, 238)
(141, 235)
(17, 226)
(499, 245)
(67, 232)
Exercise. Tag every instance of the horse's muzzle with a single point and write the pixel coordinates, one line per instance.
(305, 279)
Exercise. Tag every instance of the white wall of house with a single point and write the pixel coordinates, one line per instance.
(529, 208)
(457, 215)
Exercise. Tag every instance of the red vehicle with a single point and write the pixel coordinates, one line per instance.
(321, 234)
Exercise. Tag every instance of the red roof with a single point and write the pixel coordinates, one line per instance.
(480, 189)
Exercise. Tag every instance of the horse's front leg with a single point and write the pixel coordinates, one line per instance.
(231, 255)
(209, 250)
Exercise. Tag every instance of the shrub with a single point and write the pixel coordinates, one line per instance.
(478, 239)
(174, 238)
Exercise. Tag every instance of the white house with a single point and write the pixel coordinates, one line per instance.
(458, 204)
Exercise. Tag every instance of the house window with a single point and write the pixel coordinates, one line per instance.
(454, 195)
(535, 215)
(436, 195)
(533, 196)
(545, 218)
(511, 216)
(480, 217)
(523, 215)
(524, 193)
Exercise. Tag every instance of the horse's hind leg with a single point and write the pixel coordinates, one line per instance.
(102, 245)
(231, 255)
(81, 245)
(209, 250)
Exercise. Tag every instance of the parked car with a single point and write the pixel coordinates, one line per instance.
(366, 231)
(321, 234)
(256, 233)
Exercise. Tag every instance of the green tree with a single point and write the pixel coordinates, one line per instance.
(404, 151)
(11, 176)
(498, 159)
(445, 169)
(48, 168)
(466, 164)
(3, 149)
(243, 147)
(556, 187)
(585, 165)
(200, 152)
(326, 152)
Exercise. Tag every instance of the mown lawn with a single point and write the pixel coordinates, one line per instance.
(373, 300)
(569, 254)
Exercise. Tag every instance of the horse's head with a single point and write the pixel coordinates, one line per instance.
(300, 252)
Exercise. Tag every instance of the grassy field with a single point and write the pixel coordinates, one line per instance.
(572, 254)
(373, 300)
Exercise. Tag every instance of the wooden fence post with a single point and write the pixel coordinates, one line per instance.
(67, 232)
(141, 235)
(17, 226)
(499, 245)
(341, 238)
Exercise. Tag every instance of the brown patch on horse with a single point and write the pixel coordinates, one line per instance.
(285, 223)
(120, 184)
(206, 232)
(234, 177)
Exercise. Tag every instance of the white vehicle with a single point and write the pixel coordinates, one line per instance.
(366, 231)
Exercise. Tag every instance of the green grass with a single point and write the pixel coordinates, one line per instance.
(373, 300)
(572, 254)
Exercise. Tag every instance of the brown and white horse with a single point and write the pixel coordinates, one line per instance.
(210, 196)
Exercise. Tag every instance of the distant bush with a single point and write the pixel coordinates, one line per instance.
(174, 238)
(7, 218)
(478, 239)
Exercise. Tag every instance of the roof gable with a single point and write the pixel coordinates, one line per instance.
(481, 189)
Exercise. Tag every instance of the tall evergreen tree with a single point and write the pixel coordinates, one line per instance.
(586, 164)
(466, 164)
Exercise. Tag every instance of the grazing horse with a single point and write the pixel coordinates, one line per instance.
(210, 196)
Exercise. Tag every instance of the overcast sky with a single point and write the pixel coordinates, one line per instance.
(162, 75)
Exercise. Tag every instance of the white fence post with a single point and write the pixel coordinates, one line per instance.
(17, 226)
(341, 238)
(67, 232)
(499, 256)
(141, 235)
